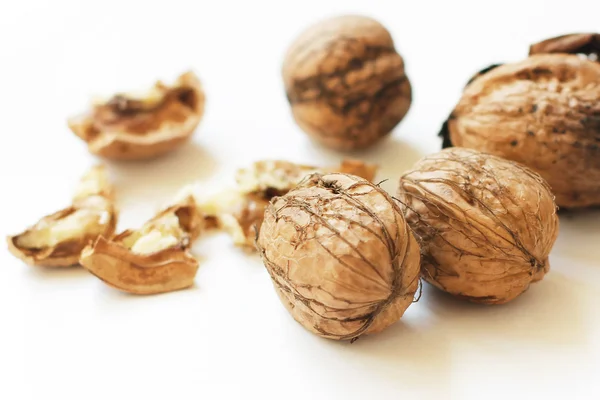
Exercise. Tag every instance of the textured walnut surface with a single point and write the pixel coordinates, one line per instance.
(543, 112)
(340, 255)
(345, 82)
(485, 225)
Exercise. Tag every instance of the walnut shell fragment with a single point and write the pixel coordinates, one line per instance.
(485, 225)
(153, 259)
(346, 82)
(342, 259)
(57, 239)
(131, 127)
(240, 211)
(543, 112)
(577, 43)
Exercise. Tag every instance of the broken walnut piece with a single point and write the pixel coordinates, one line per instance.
(153, 259)
(243, 222)
(139, 126)
(57, 240)
(576, 43)
(356, 168)
(240, 211)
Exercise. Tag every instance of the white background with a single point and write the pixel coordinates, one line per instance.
(65, 335)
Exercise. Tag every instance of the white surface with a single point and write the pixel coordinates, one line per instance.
(65, 335)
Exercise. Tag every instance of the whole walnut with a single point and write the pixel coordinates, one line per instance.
(485, 225)
(342, 259)
(543, 112)
(346, 83)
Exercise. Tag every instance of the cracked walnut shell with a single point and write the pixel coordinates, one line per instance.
(153, 259)
(57, 240)
(543, 112)
(346, 82)
(342, 259)
(130, 127)
(485, 225)
(240, 211)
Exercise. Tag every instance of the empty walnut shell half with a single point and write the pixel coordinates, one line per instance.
(485, 225)
(153, 259)
(346, 82)
(131, 127)
(57, 240)
(342, 259)
(543, 112)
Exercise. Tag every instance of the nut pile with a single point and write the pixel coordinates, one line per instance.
(477, 220)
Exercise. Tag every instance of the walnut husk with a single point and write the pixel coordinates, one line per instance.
(130, 128)
(346, 82)
(543, 112)
(157, 269)
(57, 239)
(485, 225)
(342, 259)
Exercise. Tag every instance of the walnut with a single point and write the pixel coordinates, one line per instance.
(153, 259)
(342, 259)
(485, 225)
(543, 112)
(56, 240)
(346, 83)
(142, 126)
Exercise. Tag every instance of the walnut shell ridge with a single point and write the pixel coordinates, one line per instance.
(485, 225)
(346, 82)
(342, 259)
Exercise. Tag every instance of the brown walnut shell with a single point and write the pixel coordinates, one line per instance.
(342, 259)
(543, 112)
(129, 128)
(167, 269)
(346, 82)
(485, 225)
(57, 239)
(577, 43)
